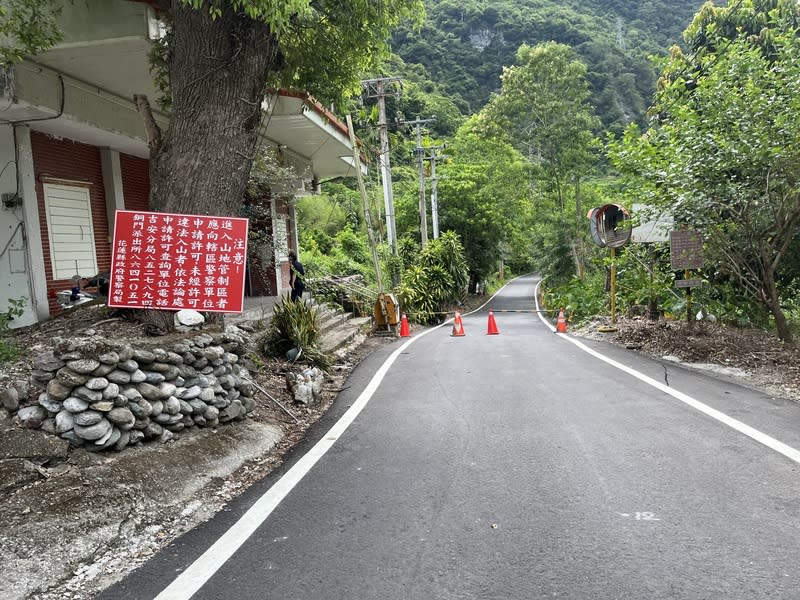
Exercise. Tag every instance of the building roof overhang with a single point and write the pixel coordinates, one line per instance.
(300, 123)
(294, 121)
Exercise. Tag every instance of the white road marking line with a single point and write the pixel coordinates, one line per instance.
(201, 570)
(751, 432)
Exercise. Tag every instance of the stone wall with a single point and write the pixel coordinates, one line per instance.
(101, 395)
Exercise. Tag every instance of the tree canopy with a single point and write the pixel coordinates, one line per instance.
(464, 44)
(221, 57)
(324, 47)
(484, 197)
(27, 27)
(725, 142)
(543, 110)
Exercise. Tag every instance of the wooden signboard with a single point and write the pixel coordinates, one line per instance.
(688, 283)
(686, 250)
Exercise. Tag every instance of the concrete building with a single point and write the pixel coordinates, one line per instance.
(73, 150)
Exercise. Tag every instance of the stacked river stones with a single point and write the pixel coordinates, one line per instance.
(102, 396)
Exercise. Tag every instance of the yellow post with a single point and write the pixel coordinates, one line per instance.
(613, 285)
(686, 275)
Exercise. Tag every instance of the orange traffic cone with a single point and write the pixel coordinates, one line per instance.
(492, 325)
(561, 322)
(458, 326)
(404, 332)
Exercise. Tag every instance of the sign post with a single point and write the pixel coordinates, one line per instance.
(686, 254)
(166, 261)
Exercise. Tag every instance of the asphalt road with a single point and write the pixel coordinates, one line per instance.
(513, 466)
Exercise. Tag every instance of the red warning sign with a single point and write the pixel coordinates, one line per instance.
(170, 262)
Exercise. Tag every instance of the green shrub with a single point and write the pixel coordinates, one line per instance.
(392, 265)
(724, 300)
(418, 299)
(642, 275)
(448, 253)
(9, 351)
(295, 325)
(408, 251)
(354, 247)
(348, 254)
(434, 280)
(318, 238)
(580, 298)
(791, 306)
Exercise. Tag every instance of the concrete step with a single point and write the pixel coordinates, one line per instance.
(337, 328)
(329, 320)
(261, 313)
(260, 309)
(344, 333)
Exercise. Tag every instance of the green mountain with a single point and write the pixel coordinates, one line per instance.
(464, 44)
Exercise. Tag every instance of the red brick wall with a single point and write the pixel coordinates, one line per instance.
(135, 182)
(62, 158)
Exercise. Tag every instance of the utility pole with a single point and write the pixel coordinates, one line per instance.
(434, 181)
(419, 151)
(376, 88)
(423, 211)
(365, 202)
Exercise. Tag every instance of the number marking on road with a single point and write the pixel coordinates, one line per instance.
(640, 516)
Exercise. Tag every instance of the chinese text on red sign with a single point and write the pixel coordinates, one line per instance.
(170, 262)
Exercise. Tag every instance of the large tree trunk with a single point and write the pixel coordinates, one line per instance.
(218, 70)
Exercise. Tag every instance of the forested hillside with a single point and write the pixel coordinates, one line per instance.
(464, 45)
(523, 93)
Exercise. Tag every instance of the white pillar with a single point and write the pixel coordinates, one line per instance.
(112, 183)
(33, 232)
(277, 252)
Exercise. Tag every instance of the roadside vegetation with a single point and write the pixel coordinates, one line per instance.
(293, 332)
(530, 135)
(714, 151)
(9, 351)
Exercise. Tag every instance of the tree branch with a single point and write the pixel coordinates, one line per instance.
(150, 126)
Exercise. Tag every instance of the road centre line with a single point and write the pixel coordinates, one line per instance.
(751, 432)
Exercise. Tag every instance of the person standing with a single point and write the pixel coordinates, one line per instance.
(296, 276)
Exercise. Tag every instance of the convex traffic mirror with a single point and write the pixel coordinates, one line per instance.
(610, 225)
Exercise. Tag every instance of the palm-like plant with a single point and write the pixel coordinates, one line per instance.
(294, 324)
